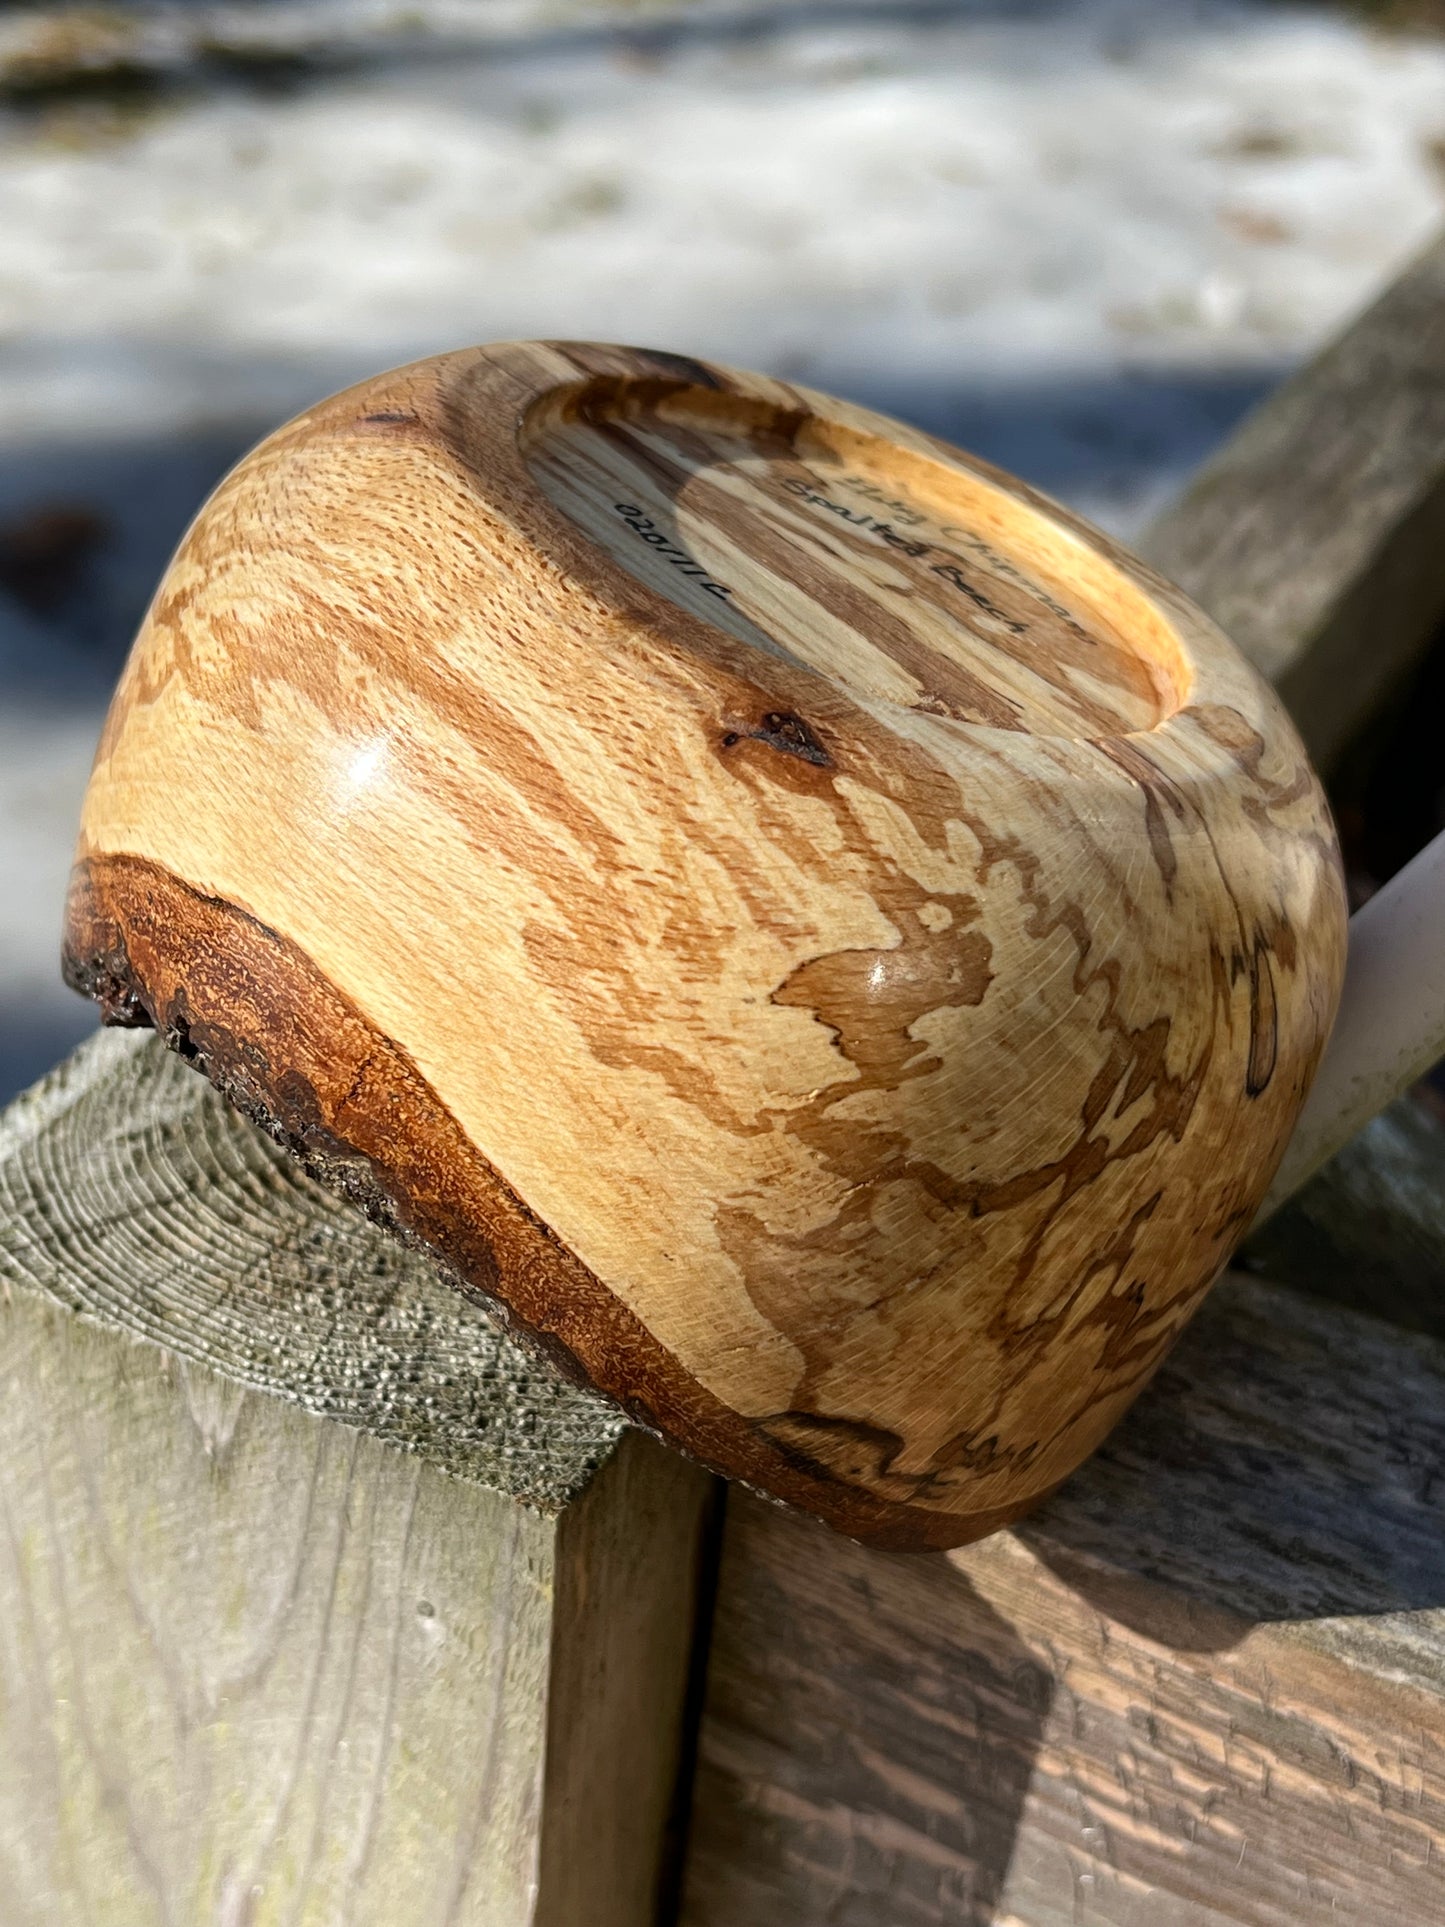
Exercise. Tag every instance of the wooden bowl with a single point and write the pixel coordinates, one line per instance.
(829, 941)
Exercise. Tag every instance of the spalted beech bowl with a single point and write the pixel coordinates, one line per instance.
(829, 941)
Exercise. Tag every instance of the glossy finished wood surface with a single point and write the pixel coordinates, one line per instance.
(831, 943)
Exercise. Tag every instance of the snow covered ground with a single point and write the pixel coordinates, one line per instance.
(1080, 237)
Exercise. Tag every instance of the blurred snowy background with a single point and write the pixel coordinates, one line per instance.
(1079, 236)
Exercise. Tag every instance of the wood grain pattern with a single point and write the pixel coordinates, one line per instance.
(302, 1653)
(1202, 1687)
(827, 940)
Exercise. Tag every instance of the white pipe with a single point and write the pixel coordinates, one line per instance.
(1391, 1026)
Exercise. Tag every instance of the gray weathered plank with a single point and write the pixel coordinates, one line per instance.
(1369, 1231)
(322, 1602)
(1205, 1684)
(1314, 536)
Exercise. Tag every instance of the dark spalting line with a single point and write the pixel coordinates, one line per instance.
(1157, 790)
(677, 368)
(1263, 1021)
(831, 1447)
(290, 1051)
(1232, 732)
(1258, 947)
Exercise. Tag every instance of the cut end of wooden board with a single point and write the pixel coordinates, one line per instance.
(131, 1192)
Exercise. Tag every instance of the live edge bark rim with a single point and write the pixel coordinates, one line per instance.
(225, 992)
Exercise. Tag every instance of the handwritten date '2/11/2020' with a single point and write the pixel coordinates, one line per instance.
(646, 530)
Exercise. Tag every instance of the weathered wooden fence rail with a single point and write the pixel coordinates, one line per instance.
(319, 1602)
